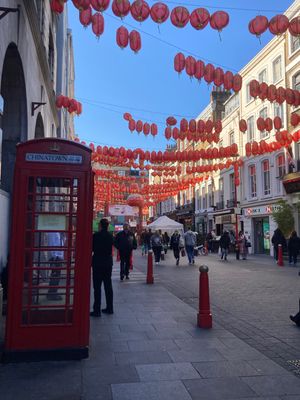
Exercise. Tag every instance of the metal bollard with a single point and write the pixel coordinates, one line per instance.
(280, 256)
(204, 315)
(150, 278)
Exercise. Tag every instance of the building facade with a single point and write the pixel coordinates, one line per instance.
(30, 69)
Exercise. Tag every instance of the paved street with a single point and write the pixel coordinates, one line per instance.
(151, 348)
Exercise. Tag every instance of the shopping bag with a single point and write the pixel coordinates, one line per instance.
(182, 253)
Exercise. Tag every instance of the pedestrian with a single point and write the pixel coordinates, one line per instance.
(102, 263)
(156, 245)
(143, 242)
(166, 241)
(190, 242)
(224, 244)
(277, 239)
(147, 241)
(242, 248)
(209, 240)
(175, 245)
(293, 248)
(125, 242)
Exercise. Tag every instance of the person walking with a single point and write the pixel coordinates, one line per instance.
(125, 242)
(224, 244)
(209, 240)
(190, 242)
(293, 248)
(156, 245)
(175, 246)
(277, 239)
(148, 241)
(243, 250)
(166, 241)
(102, 263)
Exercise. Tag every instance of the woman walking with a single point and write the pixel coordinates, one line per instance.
(156, 245)
(242, 245)
(175, 246)
(293, 248)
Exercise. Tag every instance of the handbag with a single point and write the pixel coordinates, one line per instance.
(182, 253)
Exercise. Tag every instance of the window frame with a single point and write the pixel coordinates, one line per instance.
(249, 130)
(264, 70)
(266, 177)
(293, 38)
(279, 57)
(252, 194)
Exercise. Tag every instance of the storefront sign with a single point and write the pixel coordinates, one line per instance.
(260, 210)
(54, 158)
(123, 210)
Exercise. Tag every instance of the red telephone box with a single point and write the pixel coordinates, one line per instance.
(50, 252)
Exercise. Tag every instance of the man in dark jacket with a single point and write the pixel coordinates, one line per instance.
(278, 239)
(102, 268)
(224, 244)
(293, 247)
(125, 242)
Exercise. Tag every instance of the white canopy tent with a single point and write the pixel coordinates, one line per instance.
(165, 224)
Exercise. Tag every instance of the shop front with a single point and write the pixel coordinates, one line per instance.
(259, 228)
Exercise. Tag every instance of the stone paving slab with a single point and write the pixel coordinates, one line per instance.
(145, 357)
(274, 385)
(166, 372)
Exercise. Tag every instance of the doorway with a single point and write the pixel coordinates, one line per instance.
(261, 227)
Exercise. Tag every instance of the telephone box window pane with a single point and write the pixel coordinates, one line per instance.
(30, 203)
(74, 223)
(41, 239)
(29, 221)
(31, 185)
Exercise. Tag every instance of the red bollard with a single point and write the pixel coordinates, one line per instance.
(150, 278)
(280, 256)
(118, 256)
(131, 262)
(204, 315)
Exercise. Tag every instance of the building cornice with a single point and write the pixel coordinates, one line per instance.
(31, 12)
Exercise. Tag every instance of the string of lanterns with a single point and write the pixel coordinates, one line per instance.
(71, 105)
(277, 25)
(271, 93)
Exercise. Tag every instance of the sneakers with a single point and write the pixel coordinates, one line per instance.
(177, 261)
(121, 277)
(193, 261)
(95, 314)
(107, 311)
(127, 277)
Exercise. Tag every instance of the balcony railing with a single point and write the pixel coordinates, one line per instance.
(220, 205)
(230, 203)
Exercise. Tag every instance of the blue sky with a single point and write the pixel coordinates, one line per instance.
(110, 81)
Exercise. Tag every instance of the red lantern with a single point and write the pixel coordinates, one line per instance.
(297, 98)
(159, 12)
(179, 62)
(254, 88)
(278, 24)
(237, 83)
(131, 125)
(192, 125)
(272, 93)
(280, 95)
(199, 18)
(180, 16)
(146, 128)
(184, 125)
(294, 26)
(140, 10)
(168, 133)
(219, 77)
(135, 41)
(120, 8)
(100, 5)
(200, 126)
(139, 126)
(98, 24)
(56, 6)
(295, 119)
(209, 73)
(190, 64)
(199, 69)
(127, 116)
(218, 126)
(153, 130)
(243, 125)
(66, 102)
(219, 20)
(268, 124)
(290, 96)
(85, 17)
(258, 25)
(263, 91)
(122, 37)
(175, 133)
(209, 126)
(171, 121)
(59, 101)
(277, 123)
(260, 124)
(228, 80)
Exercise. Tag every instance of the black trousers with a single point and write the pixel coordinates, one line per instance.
(124, 262)
(157, 252)
(105, 277)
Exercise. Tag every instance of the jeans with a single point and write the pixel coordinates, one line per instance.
(190, 253)
(124, 263)
(224, 253)
(157, 252)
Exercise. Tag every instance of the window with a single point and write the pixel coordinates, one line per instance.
(231, 138)
(263, 114)
(280, 171)
(277, 72)
(221, 191)
(51, 55)
(262, 76)
(278, 112)
(296, 81)
(266, 177)
(232, 187)
(248, 96)
(250, 130)
(203, 198)
(41, 14)
(295, 43)
(252, 181)
(210, 196)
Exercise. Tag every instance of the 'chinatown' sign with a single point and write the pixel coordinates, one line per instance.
(260, 210)
(54, 158)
